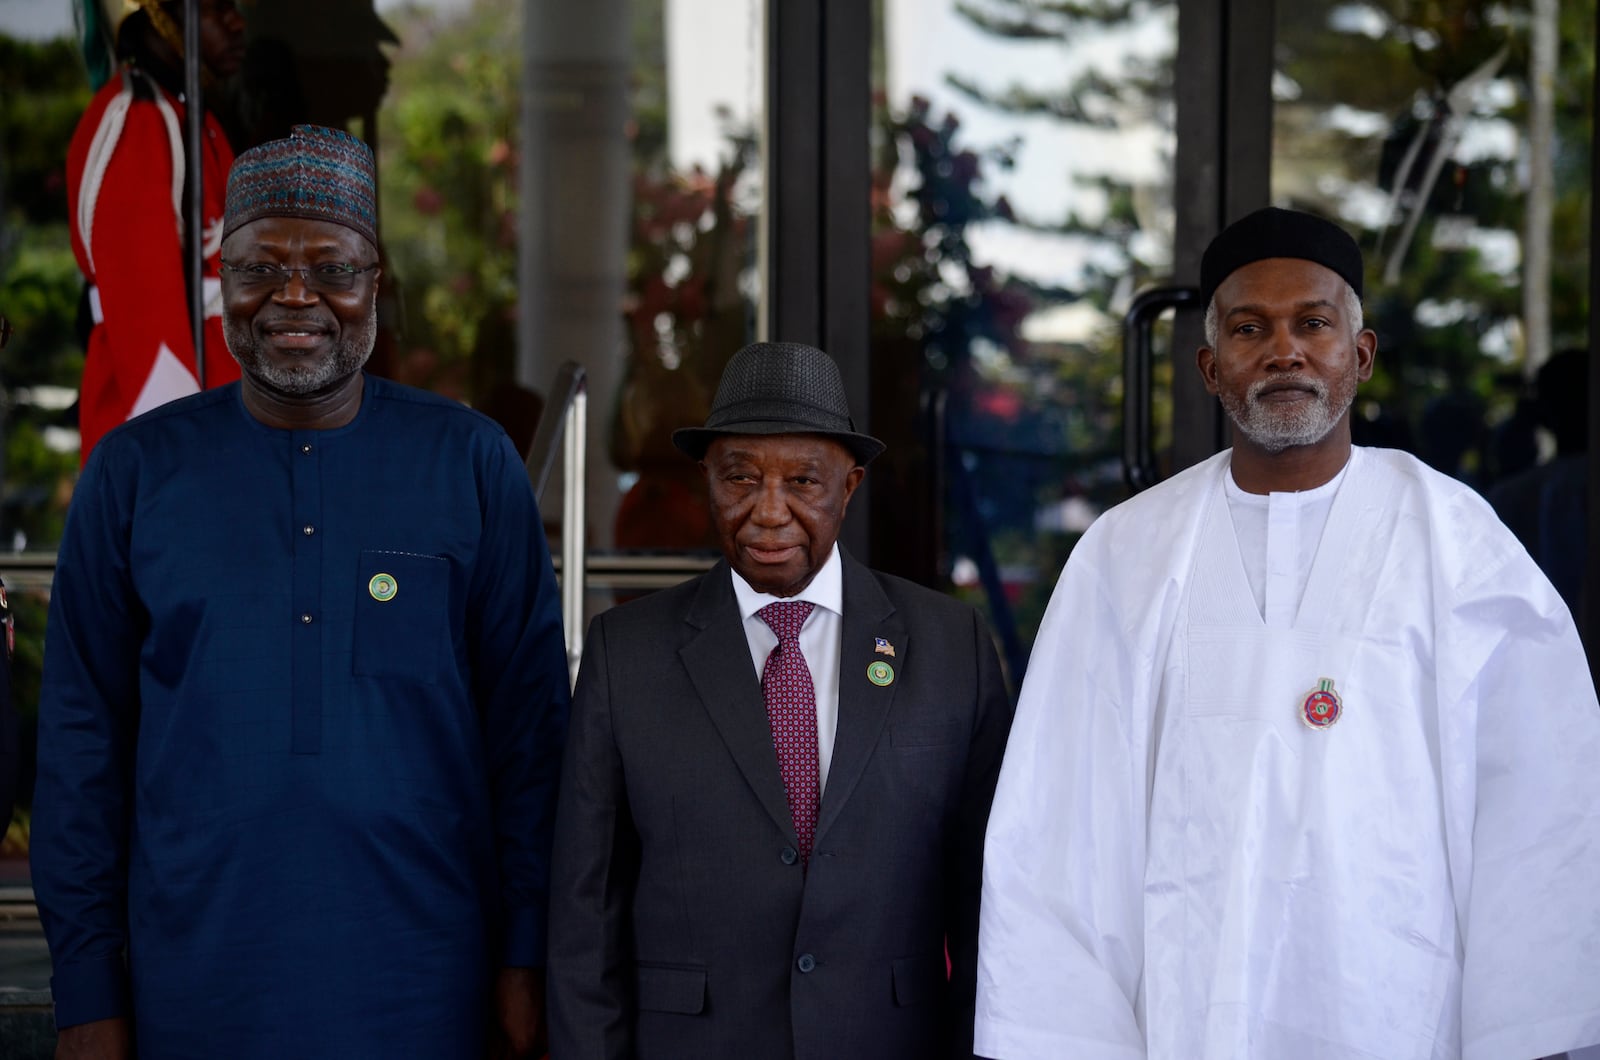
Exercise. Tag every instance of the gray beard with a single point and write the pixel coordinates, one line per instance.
(1274, 429)
(350, 352)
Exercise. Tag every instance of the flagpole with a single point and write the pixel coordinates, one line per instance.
(193, 194)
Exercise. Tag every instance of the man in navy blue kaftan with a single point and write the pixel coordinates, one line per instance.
(305, 689)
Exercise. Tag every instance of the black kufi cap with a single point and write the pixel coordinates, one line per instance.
(779, 388)
(1276, 233)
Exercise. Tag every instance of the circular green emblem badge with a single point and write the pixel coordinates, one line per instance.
(382, 587)
(880, 673)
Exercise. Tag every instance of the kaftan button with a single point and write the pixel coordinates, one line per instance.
(806, 963)
(305, 619)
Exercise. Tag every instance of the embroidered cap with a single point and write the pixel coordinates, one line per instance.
(1276, 233)
(317, 173)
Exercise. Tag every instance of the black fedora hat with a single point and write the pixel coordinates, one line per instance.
(779, 388)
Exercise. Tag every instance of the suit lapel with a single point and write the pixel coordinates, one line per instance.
(863, 705)
(717, 656)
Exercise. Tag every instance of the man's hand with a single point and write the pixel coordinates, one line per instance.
(100, 1040)
(519, 1033)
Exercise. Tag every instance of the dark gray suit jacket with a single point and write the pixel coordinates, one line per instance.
(681, 922)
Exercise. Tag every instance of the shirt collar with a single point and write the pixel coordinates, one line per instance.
(1231, 486)
(825, 591)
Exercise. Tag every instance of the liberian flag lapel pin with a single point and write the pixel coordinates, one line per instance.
(881, 646)
(1322, 705)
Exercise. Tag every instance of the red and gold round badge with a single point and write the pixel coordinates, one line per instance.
(1322, 705)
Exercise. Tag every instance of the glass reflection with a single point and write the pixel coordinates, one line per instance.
(1426, 130)
(1455, 139)
(1022, 193)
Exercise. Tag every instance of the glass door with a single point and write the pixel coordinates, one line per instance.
(1455, 140)
(1022, 194)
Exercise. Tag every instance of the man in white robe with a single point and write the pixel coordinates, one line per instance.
(1307, 761)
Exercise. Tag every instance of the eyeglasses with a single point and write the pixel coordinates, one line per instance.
(329, 277)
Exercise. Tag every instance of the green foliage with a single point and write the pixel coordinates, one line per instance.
(449, 185)
(1033, 20)
(39, 483)
(40, 295)
(42, 94)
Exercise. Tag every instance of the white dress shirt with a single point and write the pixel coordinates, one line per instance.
(819, 643)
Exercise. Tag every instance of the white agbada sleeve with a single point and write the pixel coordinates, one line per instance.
(1061, 941)
(1526, 753)
(1061, 937)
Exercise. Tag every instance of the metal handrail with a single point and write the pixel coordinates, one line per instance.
(27, 570)
(567, 415)
(570, 380)
(573, 523)
(628, 572)
(194, 119)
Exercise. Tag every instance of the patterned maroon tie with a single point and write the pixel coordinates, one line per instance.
(792, 710)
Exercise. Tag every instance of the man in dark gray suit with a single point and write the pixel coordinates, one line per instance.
(770, 829)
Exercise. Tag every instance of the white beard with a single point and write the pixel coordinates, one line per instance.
(346, 358)
(1274, 428)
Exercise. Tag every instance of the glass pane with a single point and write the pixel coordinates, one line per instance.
(1022, 194)
(640, 258)
(583, 182)
(565, 182)
(42, 93)
(1454, 139)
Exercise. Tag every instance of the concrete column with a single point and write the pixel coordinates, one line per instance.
(573, 218)
(1542, 49)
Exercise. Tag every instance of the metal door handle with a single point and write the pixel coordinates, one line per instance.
(1138, 431)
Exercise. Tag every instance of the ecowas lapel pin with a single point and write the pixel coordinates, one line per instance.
(1322, 705)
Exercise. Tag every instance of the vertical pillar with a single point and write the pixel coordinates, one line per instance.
(1589, 618)
(1224, 170)
(1542, 47)
(818, 245)
(574, 210)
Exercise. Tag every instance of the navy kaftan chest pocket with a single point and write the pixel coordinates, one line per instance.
(401, 627)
